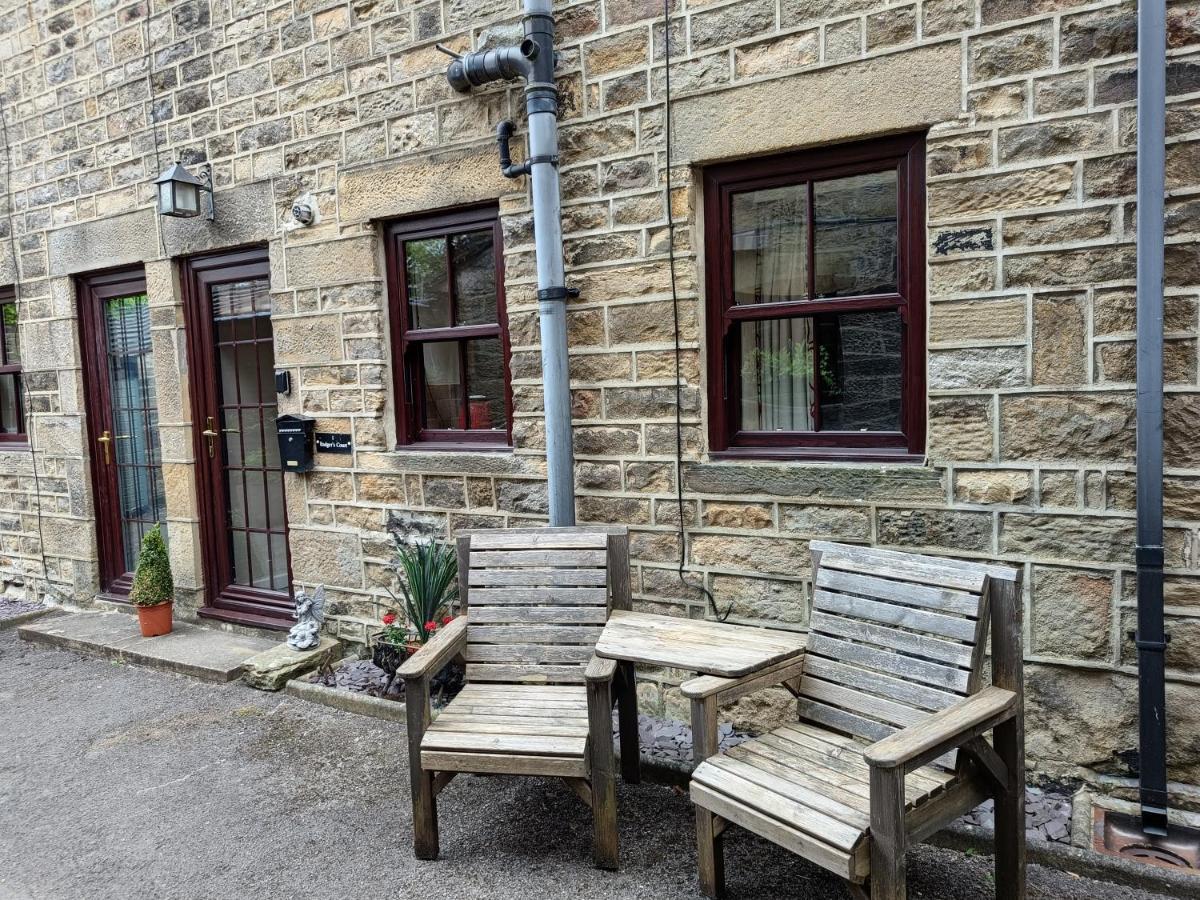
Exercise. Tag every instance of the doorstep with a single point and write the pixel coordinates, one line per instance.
(203, 653)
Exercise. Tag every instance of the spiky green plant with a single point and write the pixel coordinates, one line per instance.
(427, 573)
(152, 583)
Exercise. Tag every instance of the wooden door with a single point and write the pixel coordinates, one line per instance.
(122, 417)
(240, 482)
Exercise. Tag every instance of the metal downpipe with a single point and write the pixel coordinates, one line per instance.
(1151, 635)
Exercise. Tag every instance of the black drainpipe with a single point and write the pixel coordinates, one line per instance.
(1151, 638)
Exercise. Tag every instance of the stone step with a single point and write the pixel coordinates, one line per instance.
(203, 653)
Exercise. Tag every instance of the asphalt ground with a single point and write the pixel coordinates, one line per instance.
(119, 782)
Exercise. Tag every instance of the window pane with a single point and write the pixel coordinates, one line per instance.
(860, 368)
(443, 386)
(10, 420)
(12, 345)
(770, 245)
(826, 373)
(241, 298)
(474, 278)
(485, 381)
(776, 376)
(428, 283)
(856, 227)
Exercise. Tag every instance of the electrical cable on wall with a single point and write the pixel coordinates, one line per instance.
(24, 386)
(158, 167)
(712, 603)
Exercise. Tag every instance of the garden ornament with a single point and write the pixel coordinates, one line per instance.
(310, 613)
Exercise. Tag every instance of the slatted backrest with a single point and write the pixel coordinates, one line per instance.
(894, 638)
(536, 602)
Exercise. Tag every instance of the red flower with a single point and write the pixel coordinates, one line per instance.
(431, 625)
(389, 618)
(446, 620)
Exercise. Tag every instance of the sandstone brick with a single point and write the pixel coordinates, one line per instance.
(624, 50)
(1056, 137)
(989, 486)
(1102, 539)
(1011, 52)
(750, 554)
(1068, 268)
(793, 51)
(1072, 613)
(768, 599)
(738, 515)
(1043, 186)
(915, 528)
(1058, 228)
(732, 23)
(984, 319)
(1067, 426)
(1059, 339)
(977, 367)
(835, 523)
(960, 428)
(1093, 35)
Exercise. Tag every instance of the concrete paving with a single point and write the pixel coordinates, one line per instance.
(205, 653)
(120, 782)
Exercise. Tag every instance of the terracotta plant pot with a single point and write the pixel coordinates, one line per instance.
(155, 620)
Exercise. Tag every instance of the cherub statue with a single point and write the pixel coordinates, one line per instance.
(310, 613)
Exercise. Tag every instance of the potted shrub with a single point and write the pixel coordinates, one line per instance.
(153, 590)
(428, 575)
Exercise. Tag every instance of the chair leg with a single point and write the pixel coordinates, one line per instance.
(888, 837)
(425, 825)
(710, 854)
(1010, 812)
(627, 722)
(603, 776)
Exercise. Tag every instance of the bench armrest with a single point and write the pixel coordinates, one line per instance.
(726, 689)
(949, 729)
(443, 647)
(600, 669)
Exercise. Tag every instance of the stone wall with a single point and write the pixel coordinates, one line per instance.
(1030, 112)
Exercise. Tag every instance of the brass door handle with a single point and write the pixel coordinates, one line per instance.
(104, 440)
(211, 433)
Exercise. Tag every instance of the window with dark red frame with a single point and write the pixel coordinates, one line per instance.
(12, 407)
(446, 287)
(816, 302)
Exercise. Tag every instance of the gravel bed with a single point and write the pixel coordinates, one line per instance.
(11, 607)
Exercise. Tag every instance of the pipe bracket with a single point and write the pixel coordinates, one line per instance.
(557, 293)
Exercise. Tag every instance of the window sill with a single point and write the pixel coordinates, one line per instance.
(452, 447)
(820, 454)
(15, 446)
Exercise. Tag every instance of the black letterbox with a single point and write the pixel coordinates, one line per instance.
(296, 442)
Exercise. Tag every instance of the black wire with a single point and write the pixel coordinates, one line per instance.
(162, 238)
(712, 603)
(26, 406)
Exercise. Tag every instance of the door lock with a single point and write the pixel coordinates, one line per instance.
(104, 440)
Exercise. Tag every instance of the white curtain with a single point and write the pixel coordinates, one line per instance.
(771, 265)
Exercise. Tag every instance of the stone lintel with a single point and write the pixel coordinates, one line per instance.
(104, 243)
(883, 95)
(416, 185)
(797, 482)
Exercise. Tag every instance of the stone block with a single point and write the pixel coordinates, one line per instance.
(244, 215)
(750, 554)
(435, 181)
(932, 76)
(272, 669)
(738, 515)
(1100, 539)
(766, 599)
(993, 486)
(961, 429)
(977, 367)
(831, 523)
(988, 319)
(938, 528)
(1011, 52)
(1085, 426)
(793, 51)
(103, 243)
(330, 262)
(1072, 613)
(331, 558)
(988, 194)
(307, 339)
(1060, 339)
(795, 482)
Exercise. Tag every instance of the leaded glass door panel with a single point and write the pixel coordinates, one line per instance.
(241, 484)
(122, 412)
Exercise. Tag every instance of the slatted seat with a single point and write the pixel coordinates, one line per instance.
(892, 707)
(531, 730)
(537, 700)
(815, 787)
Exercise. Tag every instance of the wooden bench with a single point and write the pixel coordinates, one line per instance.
(536, 701)
(893, 708)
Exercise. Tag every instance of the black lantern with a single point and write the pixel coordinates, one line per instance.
(179, 192)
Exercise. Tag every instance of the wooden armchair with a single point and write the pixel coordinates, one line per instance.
(537, 701)
(889, 745)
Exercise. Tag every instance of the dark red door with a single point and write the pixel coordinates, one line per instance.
(240, 483)
(122, 416)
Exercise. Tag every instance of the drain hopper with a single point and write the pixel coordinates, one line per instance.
(1118, 834)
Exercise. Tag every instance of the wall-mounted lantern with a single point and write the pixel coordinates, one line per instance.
(179, 192)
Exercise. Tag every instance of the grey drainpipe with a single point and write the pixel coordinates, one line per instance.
(1151, 636)
(533, 60)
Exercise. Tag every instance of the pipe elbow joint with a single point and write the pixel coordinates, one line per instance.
(485, 66)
